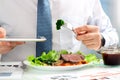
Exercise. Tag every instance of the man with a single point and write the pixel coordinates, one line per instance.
(86, 16)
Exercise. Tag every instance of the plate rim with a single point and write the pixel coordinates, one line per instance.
(55, 68)
(23, 39)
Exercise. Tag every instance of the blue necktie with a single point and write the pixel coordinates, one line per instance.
(44, 27)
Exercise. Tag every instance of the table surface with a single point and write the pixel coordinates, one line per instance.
(88, 72)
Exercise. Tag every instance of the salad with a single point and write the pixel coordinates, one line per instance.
(62, 58)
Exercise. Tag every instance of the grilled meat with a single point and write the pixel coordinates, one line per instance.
(72, 57)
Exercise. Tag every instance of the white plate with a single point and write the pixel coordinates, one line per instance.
(55, 68)
(24, 39)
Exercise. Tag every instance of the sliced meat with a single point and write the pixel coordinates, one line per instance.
(72, 57)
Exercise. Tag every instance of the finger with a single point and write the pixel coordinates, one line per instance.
(20, 43)
(87, 36)
(79, 32)
(5, 49)
(86, 28)
(16, 43)
(88, 42)
(2, 43)
(92, 44)
(2, 32)
(93, 47)
(2, 35)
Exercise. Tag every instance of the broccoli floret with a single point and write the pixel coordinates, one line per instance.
(59, 23)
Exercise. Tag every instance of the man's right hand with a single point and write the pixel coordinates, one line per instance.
(5, 46)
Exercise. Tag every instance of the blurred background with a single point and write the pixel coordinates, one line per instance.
(111, 8)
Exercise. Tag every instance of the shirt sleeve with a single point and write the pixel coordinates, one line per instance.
(101, 20)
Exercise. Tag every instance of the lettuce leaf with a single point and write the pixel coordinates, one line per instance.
(91, 58)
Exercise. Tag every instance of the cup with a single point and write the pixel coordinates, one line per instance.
(111, 56)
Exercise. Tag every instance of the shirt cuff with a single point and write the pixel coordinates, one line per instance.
(107, 40)
(102, 41)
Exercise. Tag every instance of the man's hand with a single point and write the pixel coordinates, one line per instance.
(89, 35)
(5, 47)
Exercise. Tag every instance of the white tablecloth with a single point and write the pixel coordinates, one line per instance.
(89, 72)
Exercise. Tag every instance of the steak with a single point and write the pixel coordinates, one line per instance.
(72, 57)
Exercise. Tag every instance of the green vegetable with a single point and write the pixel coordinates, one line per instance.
(35, 61)
(30, 58)
(59, 23)
(50, 57)
(63, 52)
(79, 52)
(45, 58)
(91, 58)
(53, 56)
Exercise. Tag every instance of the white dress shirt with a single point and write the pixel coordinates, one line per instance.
(20, 19)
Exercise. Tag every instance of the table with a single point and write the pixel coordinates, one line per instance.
(89, 72)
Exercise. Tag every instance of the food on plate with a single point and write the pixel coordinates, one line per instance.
(70, 59)
(61, 58)
(91, 58)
